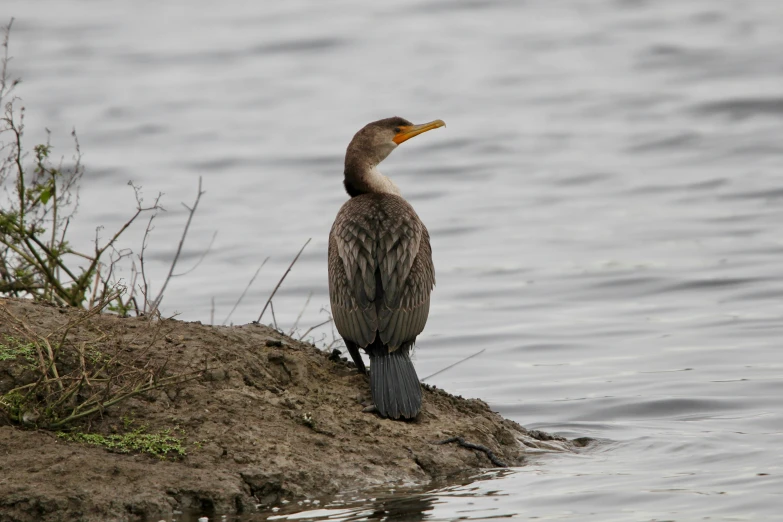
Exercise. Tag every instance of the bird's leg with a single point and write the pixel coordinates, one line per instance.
(356, 356)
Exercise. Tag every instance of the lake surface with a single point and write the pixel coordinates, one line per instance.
(605, 206)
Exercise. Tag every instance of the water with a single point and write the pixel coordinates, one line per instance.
(605, 208)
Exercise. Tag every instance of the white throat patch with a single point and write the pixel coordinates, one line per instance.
(380, 183)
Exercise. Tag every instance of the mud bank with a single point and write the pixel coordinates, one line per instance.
(267, 419)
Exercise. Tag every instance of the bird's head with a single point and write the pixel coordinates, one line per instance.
(375, 141)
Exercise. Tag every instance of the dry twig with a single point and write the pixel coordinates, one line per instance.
(301, 313)
(244, 292)
(314, 327)
(455, 364)
(191, 211)
(93, 375)
(281, 280)
(469, 445)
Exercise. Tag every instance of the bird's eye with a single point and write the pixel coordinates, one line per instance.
(397, 130)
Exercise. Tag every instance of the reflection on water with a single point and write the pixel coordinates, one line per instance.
(413, 508)
(604, 206)
(409, 504)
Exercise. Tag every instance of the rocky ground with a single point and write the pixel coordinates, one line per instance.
(266, 419)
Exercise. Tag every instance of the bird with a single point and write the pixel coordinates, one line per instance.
(380, 269)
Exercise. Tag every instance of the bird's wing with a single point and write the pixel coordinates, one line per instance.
(406, 305)
(380, 271)
(352, 284)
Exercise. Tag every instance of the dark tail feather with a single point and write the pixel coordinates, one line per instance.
(395, 387)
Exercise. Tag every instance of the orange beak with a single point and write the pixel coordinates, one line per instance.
(410, 131)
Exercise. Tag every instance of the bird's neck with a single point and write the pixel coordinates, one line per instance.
(367, 179)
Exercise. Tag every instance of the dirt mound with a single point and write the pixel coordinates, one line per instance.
(269, 419)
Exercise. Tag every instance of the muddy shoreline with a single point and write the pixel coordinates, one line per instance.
(270, 419)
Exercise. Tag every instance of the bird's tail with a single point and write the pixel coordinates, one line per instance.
(395, 387)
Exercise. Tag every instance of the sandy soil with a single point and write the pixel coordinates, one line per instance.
(271, 419)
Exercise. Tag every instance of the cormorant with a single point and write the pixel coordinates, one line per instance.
(380, 269)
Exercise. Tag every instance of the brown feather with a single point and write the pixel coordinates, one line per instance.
(380, 271)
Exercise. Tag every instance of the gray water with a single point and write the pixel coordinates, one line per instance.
(605, 206)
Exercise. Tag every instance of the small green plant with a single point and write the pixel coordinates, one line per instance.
(13, 404)
(11, 348)
(39, 197)
(162, 444)
(37, 204)
(127, 421)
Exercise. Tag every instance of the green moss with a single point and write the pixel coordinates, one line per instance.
(12, 403)
(11, 348)
(161, 445)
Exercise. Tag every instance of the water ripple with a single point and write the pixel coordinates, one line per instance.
(741, 108)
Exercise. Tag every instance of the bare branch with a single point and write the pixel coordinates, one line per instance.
(274, 319)
(243, 293)
(298, 317)
(314, 327)
(159, 298)
(145, 288)
(6, 84)
(455, 364)
(203, 255)
(281, 280)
